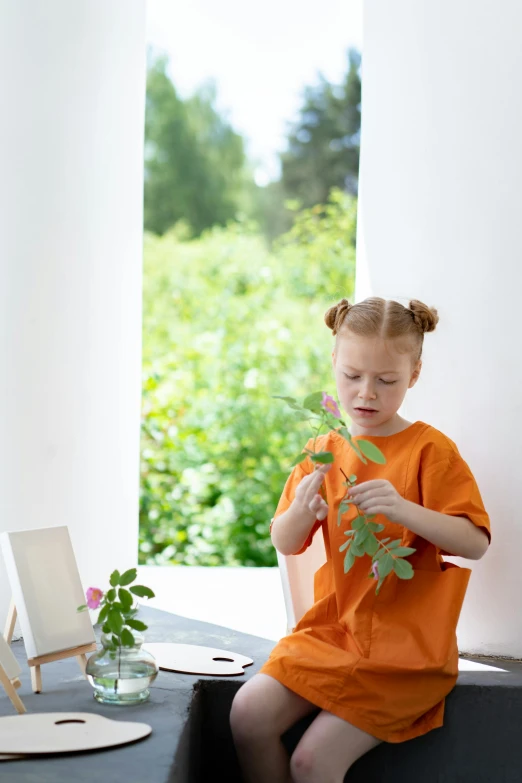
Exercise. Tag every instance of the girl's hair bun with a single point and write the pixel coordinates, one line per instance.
(334, 317)
(425, 318)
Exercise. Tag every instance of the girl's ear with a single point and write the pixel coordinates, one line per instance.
(415, 374)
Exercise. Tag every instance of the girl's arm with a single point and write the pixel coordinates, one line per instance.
(291, 528)
(455, 535)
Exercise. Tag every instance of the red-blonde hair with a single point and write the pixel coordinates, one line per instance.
(376, 317)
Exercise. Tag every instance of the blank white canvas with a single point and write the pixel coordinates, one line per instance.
(47, 590)
(8, 661)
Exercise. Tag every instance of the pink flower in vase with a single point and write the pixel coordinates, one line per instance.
(94, 596)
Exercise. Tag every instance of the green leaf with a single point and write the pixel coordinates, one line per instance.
(380, 553)
(137, 625)
(142, 591)
(128, 577)
(116, 641)
(344, 546)
(126, 599)
(299, 458)
(106, 628)
(349, 560)
(115, 578)
(361, 535)
(371, 545)
(290, 400)
(349, 532)
(385, 565)
(357, 450)
(403, 551)
(127, 639)
(115, 621)
(104, 611)
(333, 423)
(358, 523)
(343, 508)
(395, 543)
(300, 415)
(379, 585)
(81, 608)
(403, 569)
(375, 527)
(352, 479)
(313, 402)
(111, 595)
(323, 457)
(357, 550)
(371, 451)
(384, 540)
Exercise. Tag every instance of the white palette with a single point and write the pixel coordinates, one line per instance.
(193, 659)
(64, 732)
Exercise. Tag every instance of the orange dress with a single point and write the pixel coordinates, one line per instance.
(383, 663)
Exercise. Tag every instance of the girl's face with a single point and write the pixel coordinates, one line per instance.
(372, 377)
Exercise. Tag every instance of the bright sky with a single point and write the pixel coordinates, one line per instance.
(261, 57)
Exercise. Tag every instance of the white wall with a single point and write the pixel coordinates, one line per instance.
(441, 175)
(71, 165)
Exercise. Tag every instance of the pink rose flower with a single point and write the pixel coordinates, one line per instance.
(94, 596)
(330, 405)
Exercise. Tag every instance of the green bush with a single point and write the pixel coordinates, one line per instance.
(227, 324)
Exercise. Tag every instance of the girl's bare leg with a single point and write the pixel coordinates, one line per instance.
(328, 749)
(262, 711)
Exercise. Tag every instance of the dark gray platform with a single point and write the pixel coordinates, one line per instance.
(154, 759)
(191, 742)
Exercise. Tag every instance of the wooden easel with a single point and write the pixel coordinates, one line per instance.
(10, 687)
(34, 663)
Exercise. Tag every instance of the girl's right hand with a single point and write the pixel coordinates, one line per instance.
(307, 496)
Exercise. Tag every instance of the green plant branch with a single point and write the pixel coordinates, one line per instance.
(117, 614)
(385, 557)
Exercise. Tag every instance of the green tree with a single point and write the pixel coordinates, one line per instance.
(271, 211)
(323, 145)
(227, 324)
(195, 164)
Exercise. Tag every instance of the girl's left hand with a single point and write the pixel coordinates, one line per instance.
(378, 497)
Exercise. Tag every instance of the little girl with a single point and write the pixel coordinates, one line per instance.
(377, 666)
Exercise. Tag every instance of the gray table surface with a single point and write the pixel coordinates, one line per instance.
(151, 760)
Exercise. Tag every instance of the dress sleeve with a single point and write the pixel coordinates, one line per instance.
(298, 473)
(448, 486)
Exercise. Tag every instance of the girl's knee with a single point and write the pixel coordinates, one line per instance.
(308, 765)
(247, 718)
(304, 766)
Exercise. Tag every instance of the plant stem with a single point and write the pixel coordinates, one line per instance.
(362, 515)
(116, 685)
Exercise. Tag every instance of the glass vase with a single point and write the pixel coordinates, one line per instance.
(123, 676)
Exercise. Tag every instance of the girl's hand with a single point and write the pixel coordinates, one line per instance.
(379, 497)
(307, 494)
